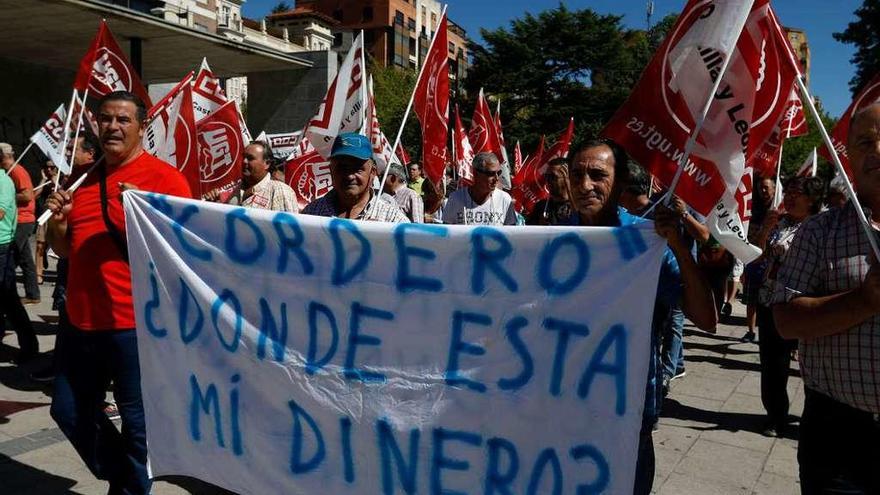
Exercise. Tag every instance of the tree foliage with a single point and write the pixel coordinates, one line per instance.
(864, 34)
(557, 64)
(281, 7)
(392, 88)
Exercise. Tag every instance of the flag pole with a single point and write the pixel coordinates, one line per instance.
(67, 124)
(777, 192)
(364, 125)
(15, 163)
(866, 225)
(409, 107)
(82, 110)
(692, 139)
(73, 187)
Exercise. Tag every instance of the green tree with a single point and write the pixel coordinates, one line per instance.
(864, 34)
(557, 64)
(795, 150)
(392, 88)
(281, 7)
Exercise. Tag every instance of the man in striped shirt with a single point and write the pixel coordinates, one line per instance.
(827, 295)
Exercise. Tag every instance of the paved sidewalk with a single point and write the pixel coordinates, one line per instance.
(709, 440)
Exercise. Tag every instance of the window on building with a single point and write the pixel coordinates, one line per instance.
(451, 47)
(337, 14)
(411, 24)
(367, 14)
(369, 37)
(398, 17)
(412, 46)
(337, 39)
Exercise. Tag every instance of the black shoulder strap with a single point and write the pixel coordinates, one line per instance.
(111, 229)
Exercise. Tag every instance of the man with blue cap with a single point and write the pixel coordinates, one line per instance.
(352, 171)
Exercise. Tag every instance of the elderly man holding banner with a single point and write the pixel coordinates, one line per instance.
(352, 171)
(597, 174)
(827, 295)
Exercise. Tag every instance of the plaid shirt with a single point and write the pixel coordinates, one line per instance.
(410, 203)
(269, 194)
(380, 209)
(829, 255)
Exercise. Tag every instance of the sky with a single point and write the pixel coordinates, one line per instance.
(830, 72)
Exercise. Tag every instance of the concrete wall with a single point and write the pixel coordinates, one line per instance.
(28, 95)
(283, 101)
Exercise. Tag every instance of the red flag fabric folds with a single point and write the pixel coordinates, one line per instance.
(220, 151)
(431, 105)
(105, 69)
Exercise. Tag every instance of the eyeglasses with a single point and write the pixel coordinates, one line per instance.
(488, 173)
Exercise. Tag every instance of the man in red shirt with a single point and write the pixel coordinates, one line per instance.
(88, 227)
(24, 198)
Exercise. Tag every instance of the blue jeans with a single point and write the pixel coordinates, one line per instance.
(87, 363)
(673, 345)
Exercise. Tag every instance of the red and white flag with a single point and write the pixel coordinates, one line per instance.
(105, 69)
(307, 173)
(220, 151)
(343, 107)
(530, 187)
(171, 133)
(517, 158)
(810, 166)
(431, 105)
(869, 95)
(505, 160)
(49, 139)
(402, 155)
(208, 94)
(484, 134)
(729, 220)
(658, 118)
(793, 123)
(382, 152)
(463, 153)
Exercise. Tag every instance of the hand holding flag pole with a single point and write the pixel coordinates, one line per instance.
(73, 187)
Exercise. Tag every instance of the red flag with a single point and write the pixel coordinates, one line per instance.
(484, 134)
(464, 154)
(220, 150)
(171, 133)
(307, 173)
(105, 69)
(517, 158)
(208, 94)
(792, 123)
(659, 116)
(431, 105)
(402, 155)
(868, 95)
(529, 187)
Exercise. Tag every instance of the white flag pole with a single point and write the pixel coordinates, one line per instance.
(73, 187)
(777, 193)
(364, 126)
(66, 139)
(82, 110)
(692, 139)
(17, 160)
(409, 106)
(866, 225)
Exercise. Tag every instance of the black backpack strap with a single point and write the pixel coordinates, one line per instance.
(117, 237)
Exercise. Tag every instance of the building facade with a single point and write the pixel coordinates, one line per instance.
(798, 40)
(396, 32)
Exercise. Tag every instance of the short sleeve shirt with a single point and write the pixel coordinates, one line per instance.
(496, 210)
(7, 204)
(380, 209)
(22, 180)
(829, 255)
(99, 281)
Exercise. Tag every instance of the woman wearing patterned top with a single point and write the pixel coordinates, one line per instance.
(802, 198)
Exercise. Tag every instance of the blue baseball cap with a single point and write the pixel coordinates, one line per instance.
(352, 144)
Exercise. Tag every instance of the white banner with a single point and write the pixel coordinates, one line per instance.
(295, 354)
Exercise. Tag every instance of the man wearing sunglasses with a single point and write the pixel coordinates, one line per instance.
(481, 203)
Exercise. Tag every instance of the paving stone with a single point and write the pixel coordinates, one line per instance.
(706, 388)
(740, 467)
(774, 484)
(679, 484)
(783, 459)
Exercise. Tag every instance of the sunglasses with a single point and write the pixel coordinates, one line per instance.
(488, 173)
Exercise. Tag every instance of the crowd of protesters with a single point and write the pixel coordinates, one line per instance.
(816, 288)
